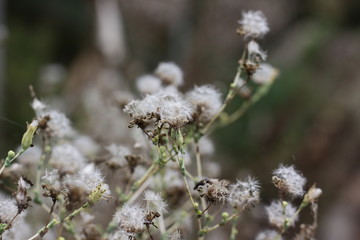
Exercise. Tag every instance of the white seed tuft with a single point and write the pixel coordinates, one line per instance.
(169, 73)
(154, 202)
(244, 194)
(206, 101)
(265, 74)
(253, 24)
(148, 84)
(279, 213)
(130, 219)
(67, 158)
(289, 181)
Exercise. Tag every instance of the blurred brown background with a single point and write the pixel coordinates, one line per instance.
(310, 118)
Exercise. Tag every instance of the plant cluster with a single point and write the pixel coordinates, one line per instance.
(162, 180)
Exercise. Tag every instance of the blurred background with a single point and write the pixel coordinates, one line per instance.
(310, 118)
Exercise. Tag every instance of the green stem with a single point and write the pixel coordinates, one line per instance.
(245, 106)
(231, 94)
(234, 231)
(55, 221)
(9, 160)
(206, 230)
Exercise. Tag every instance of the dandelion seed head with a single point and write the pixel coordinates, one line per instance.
(154, 202)
(130, 218)
(67, 158)
(169, 107)
(276, 214)
(206, 101)
(58, 124)
(245, 194)
(289, 180)
(253, 24)
(169, 73)
(148, 84)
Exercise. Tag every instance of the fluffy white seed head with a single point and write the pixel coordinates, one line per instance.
(268, 235)
(8, 209)
(148, 84)
(58, 123)
(67, 158)
(253, 24)
(169, 107)
(130, 218)
(244, 194)
(88, 179)
(154, 202)
(265, 74)
(289, 181)
(169, 73)
(118, 154)
(206, 101)
(279, 213)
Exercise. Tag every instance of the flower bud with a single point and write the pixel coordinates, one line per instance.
(28, 136)
(313, 194)
(11, 154)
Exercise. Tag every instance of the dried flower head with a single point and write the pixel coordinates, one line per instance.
(169, 73)
(21, 196)
(268, 235)
(206, 101)
(214, 190)
(130, 218)
(253, 24)
(279, 214)
(244, 194)
(148, 84)
(289, 181)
